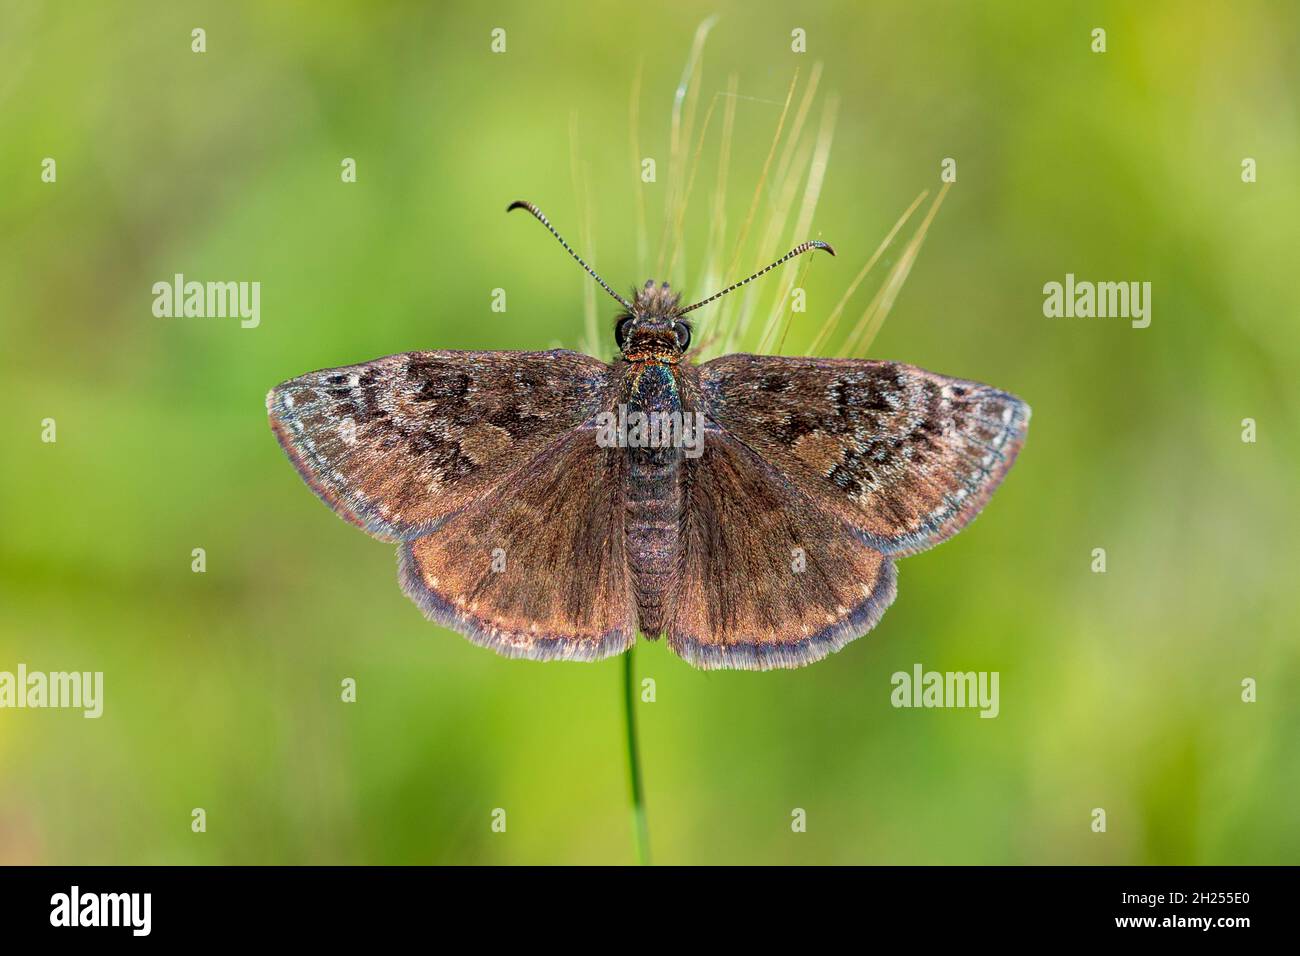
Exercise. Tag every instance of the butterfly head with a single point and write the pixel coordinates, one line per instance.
(651, 329)
(653, 326)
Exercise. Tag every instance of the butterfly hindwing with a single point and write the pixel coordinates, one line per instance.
(538, 570)
(767, 577)
(903, 456)
(400, 444)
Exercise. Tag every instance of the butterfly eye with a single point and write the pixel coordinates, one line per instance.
(683, 333)
(621, 330)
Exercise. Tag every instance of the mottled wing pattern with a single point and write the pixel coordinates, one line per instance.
(768, 577)
(905, 457)
(399, 445)
(539, 570)
(484, 466)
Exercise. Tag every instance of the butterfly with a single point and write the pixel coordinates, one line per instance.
(769, 543)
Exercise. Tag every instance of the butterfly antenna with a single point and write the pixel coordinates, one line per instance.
(540, 217)
(796, 251)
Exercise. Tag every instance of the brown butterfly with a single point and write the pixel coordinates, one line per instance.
(531, 518)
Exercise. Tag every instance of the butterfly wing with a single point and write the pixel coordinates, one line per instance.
(768, 578)
(484, 466)
(399, 445)
(539, 569)
(905, 457)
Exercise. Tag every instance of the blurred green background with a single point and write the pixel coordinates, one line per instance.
(1119, 690)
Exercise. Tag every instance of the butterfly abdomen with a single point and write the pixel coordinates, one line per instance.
(654, 499)
(654, 507)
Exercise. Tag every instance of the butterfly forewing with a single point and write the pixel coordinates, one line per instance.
(903, 456)
(400, 444)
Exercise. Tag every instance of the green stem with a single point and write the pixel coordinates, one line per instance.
(640, 831)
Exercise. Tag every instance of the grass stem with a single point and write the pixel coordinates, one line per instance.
(640, 831)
